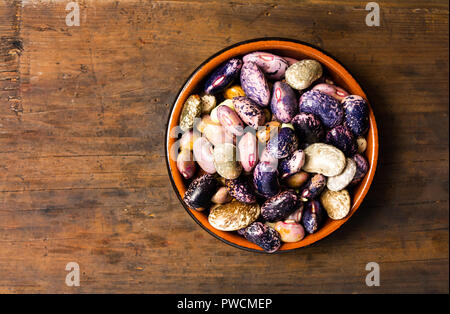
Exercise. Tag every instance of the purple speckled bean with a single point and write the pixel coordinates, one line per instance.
(229, 119)
(254, 84)
(284, 144)
(249, 112)
(327, 108)
(332, 90)
(284, 103)
(341, 137)
(362, 167)
(272, 65)
(200, 191)
(265, 179)
(313, 216)
(356, 112)
(297, 214)
(223, 76)
(308, 127)
(292, 164)
(280, 206)
(314, 187)
(264, 236)
(241, 189)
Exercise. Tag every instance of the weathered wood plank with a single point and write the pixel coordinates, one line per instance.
(10, 53)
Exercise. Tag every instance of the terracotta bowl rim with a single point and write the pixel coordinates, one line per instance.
(373, 129)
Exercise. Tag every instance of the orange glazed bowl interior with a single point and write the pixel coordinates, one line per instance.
(286, 48)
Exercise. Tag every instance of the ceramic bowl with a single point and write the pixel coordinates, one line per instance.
(287, 48)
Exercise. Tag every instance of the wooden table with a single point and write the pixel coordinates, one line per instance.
(82, 118)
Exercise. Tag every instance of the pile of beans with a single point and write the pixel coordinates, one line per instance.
(271, 148)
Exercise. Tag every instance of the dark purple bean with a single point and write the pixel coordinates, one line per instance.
(356, 112)
(297, 214)
(241, 231)
(241, 189)
(279, 206)
(284, 102)
(292, 164)
(265, 179)
(327, 108)
(341, 137)
(283, 144)
(264, 236)
(313, 216)
(308, 128)
(314, 187)
(201, 190)
(223, 76)
(362, 167)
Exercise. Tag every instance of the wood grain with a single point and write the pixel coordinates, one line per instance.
(82, 118)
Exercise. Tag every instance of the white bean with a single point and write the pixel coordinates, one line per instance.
(324, 159)
(341, 181)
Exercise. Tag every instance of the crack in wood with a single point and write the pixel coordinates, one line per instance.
(11, 48)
